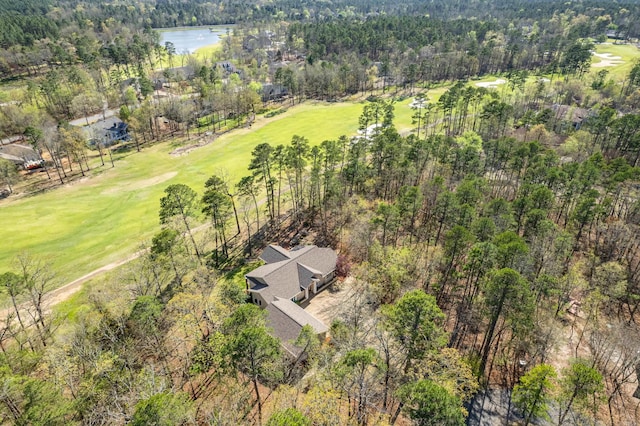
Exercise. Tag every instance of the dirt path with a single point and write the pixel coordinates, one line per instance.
(66, 291)
(63, 293)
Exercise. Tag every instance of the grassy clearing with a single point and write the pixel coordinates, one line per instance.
(210, 51)
(628, 54)
(12, 91)
(101, 219)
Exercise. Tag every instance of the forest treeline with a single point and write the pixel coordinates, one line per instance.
(492, 245)
(69, 29)
(467, 248)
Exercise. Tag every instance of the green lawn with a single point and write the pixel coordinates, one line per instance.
(89, 223)
(628, 54)
(209, 51)
(11, 92)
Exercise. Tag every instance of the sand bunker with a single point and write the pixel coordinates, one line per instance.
(370, 131)
(491, 83)
(607, 60)
(418, 103)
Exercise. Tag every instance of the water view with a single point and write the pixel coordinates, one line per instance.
(191, 39)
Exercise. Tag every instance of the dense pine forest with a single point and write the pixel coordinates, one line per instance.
(484, 212)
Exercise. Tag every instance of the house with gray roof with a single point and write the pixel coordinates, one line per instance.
(287, 278)
(567, 115)
(286, 319)
(291, 274)
(108, 131)
(21, 155)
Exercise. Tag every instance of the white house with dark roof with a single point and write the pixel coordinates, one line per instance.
(289, 277)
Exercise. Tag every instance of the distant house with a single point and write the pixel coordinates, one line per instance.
(15, 160)
(160, 83)
(21, 155)
(186, 72)
(109, 131)
(118, 132)
(566, 115)
(273, 92)
(12, 139)
(227, 67)
(261, 41)
(287, 278)
(615, 35)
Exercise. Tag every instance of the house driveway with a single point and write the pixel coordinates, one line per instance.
(327, 304)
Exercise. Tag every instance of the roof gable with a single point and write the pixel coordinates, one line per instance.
(286, 319)
(322, 260)
(274, 253)
(287, 277)
(299, 315)
(306, 275)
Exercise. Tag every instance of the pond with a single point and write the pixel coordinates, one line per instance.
(188, 39)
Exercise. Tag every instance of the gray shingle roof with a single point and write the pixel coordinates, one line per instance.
(286, 277)
(99, 128)
(280, 280)
(274, 253)
(567, 112)
(287, 319)
(12, 158)
(299, 315)
(18, 153)
(322, 260)
(306, 275)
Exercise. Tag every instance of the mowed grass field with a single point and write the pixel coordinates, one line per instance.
(628, 54)
(107, 216)
(103, 218)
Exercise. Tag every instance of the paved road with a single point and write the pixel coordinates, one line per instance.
(93, 118)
